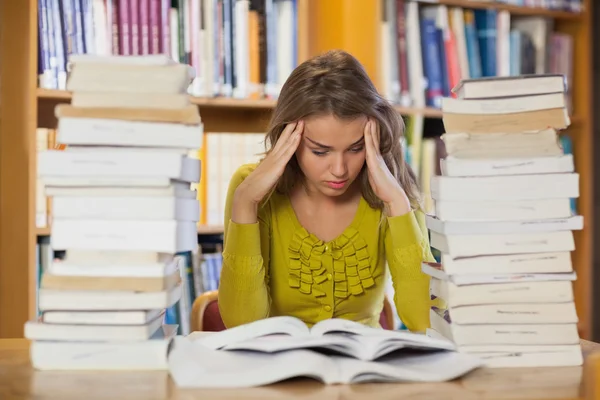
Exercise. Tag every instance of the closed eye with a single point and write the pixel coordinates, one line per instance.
(357, 149)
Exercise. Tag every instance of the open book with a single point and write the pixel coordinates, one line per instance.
(333, 351)
(340, 336)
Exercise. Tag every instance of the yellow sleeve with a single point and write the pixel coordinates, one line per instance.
(406, 247)
(243, 288)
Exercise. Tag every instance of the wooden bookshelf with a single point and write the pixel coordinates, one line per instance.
(210, 229)
(327, 25)
(48, 98)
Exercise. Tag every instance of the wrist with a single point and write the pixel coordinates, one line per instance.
(243, 209)
(400, 205)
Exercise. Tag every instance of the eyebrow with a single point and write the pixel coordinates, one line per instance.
(329, 147)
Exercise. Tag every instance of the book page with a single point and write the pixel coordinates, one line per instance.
(193, 365)
(340, 325)
(409, 367)
(281, 342)
(268, 326)
(367, 343)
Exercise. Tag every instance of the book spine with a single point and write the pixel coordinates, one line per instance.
(405, 99)
(486, 24)
(60, 43)
(164, 26)
(78, 27)
(154, 27)
(443, 58)
(124, 23)
(472, 45)
(134, 26)
(431, 63)
(45, 72)
(87, 21)
(144, 24)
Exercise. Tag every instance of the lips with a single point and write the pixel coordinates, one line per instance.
(337, 184)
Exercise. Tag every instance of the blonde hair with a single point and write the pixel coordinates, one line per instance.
(335, 83)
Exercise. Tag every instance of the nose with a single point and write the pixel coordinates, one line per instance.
(338, 167)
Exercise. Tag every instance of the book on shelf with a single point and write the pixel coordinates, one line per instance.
(121, 223)
(332, 351)
(503, 224)
(248, 48)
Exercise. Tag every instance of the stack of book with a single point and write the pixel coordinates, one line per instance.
(504, 224)
(122, 210)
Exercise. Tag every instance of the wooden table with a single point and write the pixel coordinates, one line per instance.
(19, 381)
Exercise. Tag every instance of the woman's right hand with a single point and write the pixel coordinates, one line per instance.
(262, 180)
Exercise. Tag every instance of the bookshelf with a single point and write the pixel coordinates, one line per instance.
(322, 25)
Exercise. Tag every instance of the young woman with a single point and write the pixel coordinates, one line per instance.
(309, 229)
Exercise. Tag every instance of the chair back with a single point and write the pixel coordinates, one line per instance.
(207, 317)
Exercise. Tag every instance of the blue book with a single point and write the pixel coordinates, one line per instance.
(472, 45)
(487, 34)
(431, 63)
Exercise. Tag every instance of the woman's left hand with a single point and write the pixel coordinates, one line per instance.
(383, 183)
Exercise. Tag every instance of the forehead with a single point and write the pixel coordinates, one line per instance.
(331, 131)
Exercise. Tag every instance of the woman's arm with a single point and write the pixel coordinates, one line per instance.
(406, 247)
(243, 288)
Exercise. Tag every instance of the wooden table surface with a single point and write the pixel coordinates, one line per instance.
(18, 380)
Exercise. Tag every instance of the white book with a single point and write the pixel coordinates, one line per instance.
(120, 77)
(502, 293)
(504, 105)
(137, 60)
(528, 263)
(470, 227)
(515, 313)
(436, 271)
(506, 334)
(35, 330)
(117, 269)
(522, 356)
(532, 356)
(500, 209)
(513, 187)
(126, 208)
(101, 300)
(521, 145)
(182, 191)
(112, 163)
(283, 347)
(495, 87)
(508, 243)
(111, 270)
(453, 166)
(168, 236)
(104, 355)
(137, 317)
(88, 258)
(168, 101)
(114, 132)
(115, 182)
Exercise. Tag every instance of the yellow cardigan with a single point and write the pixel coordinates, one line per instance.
(275, 267)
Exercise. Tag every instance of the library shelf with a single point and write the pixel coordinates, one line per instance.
(45, 231)
(63, 96)
(513, 9)
(210, 229)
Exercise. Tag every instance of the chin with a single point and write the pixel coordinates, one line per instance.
(333, 192)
